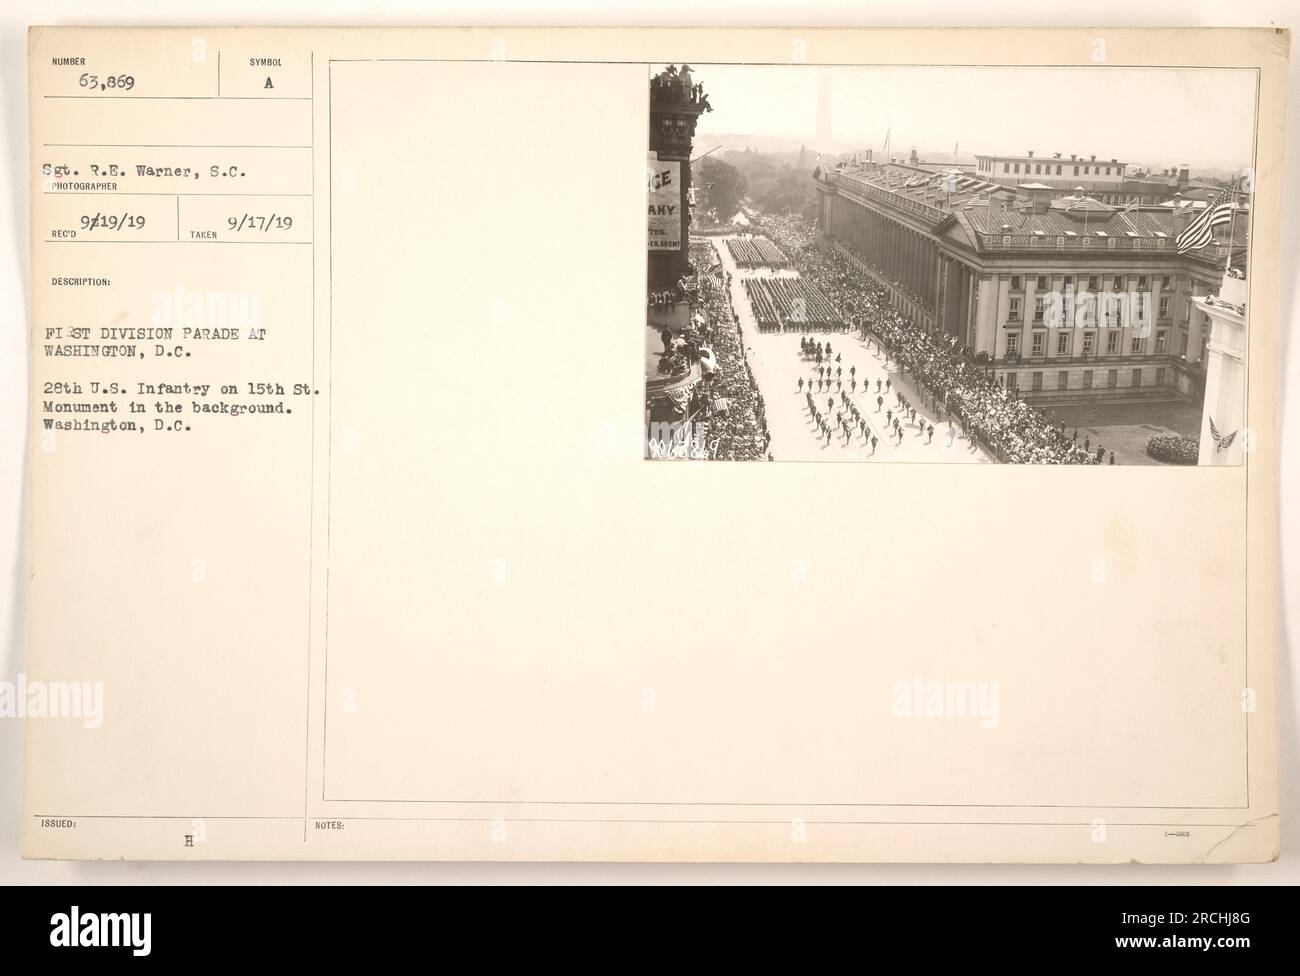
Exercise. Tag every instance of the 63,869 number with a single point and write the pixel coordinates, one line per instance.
(119, 82)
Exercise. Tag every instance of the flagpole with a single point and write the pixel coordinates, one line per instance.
(1232, 227)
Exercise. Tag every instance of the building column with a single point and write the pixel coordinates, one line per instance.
(1225, 376)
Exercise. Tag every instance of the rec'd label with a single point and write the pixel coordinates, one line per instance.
(664, 204)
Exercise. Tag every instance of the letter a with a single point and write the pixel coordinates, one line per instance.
(59, 934)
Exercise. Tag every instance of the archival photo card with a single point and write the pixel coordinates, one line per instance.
(342, 511)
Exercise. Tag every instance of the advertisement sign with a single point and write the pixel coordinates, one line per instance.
(664, 204)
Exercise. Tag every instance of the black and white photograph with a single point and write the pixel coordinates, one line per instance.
(1038, 265)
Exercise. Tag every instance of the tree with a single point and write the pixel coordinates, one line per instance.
(789, 191)
(725, 187)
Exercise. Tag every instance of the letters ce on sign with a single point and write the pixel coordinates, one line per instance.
(664, 204)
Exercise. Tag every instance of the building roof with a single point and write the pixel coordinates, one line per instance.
(1080, 203)
(1073, 219)
(941, 190)
(991, 213)
(1053, 158)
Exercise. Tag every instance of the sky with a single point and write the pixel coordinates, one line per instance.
(1148, 116)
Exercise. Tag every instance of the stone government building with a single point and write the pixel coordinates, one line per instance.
(965, 253)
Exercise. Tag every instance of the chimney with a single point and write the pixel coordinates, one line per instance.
(1073, 156)
(1182, 215)
(912, 158)
(1031, 154)
(1184, 176)
(1092, 158)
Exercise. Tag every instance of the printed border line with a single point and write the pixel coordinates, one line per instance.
(648, 64)
(605, 820)
(311, 481)
(784, 64)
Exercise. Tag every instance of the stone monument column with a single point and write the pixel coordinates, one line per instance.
(1223, 418)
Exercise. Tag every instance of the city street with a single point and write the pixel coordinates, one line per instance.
(778, 364)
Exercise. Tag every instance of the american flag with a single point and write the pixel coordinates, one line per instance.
(1200, 231)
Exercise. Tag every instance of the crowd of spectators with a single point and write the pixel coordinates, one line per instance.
(951, 373)
(727, 404)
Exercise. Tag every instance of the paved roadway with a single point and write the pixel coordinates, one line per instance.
(777, 365)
